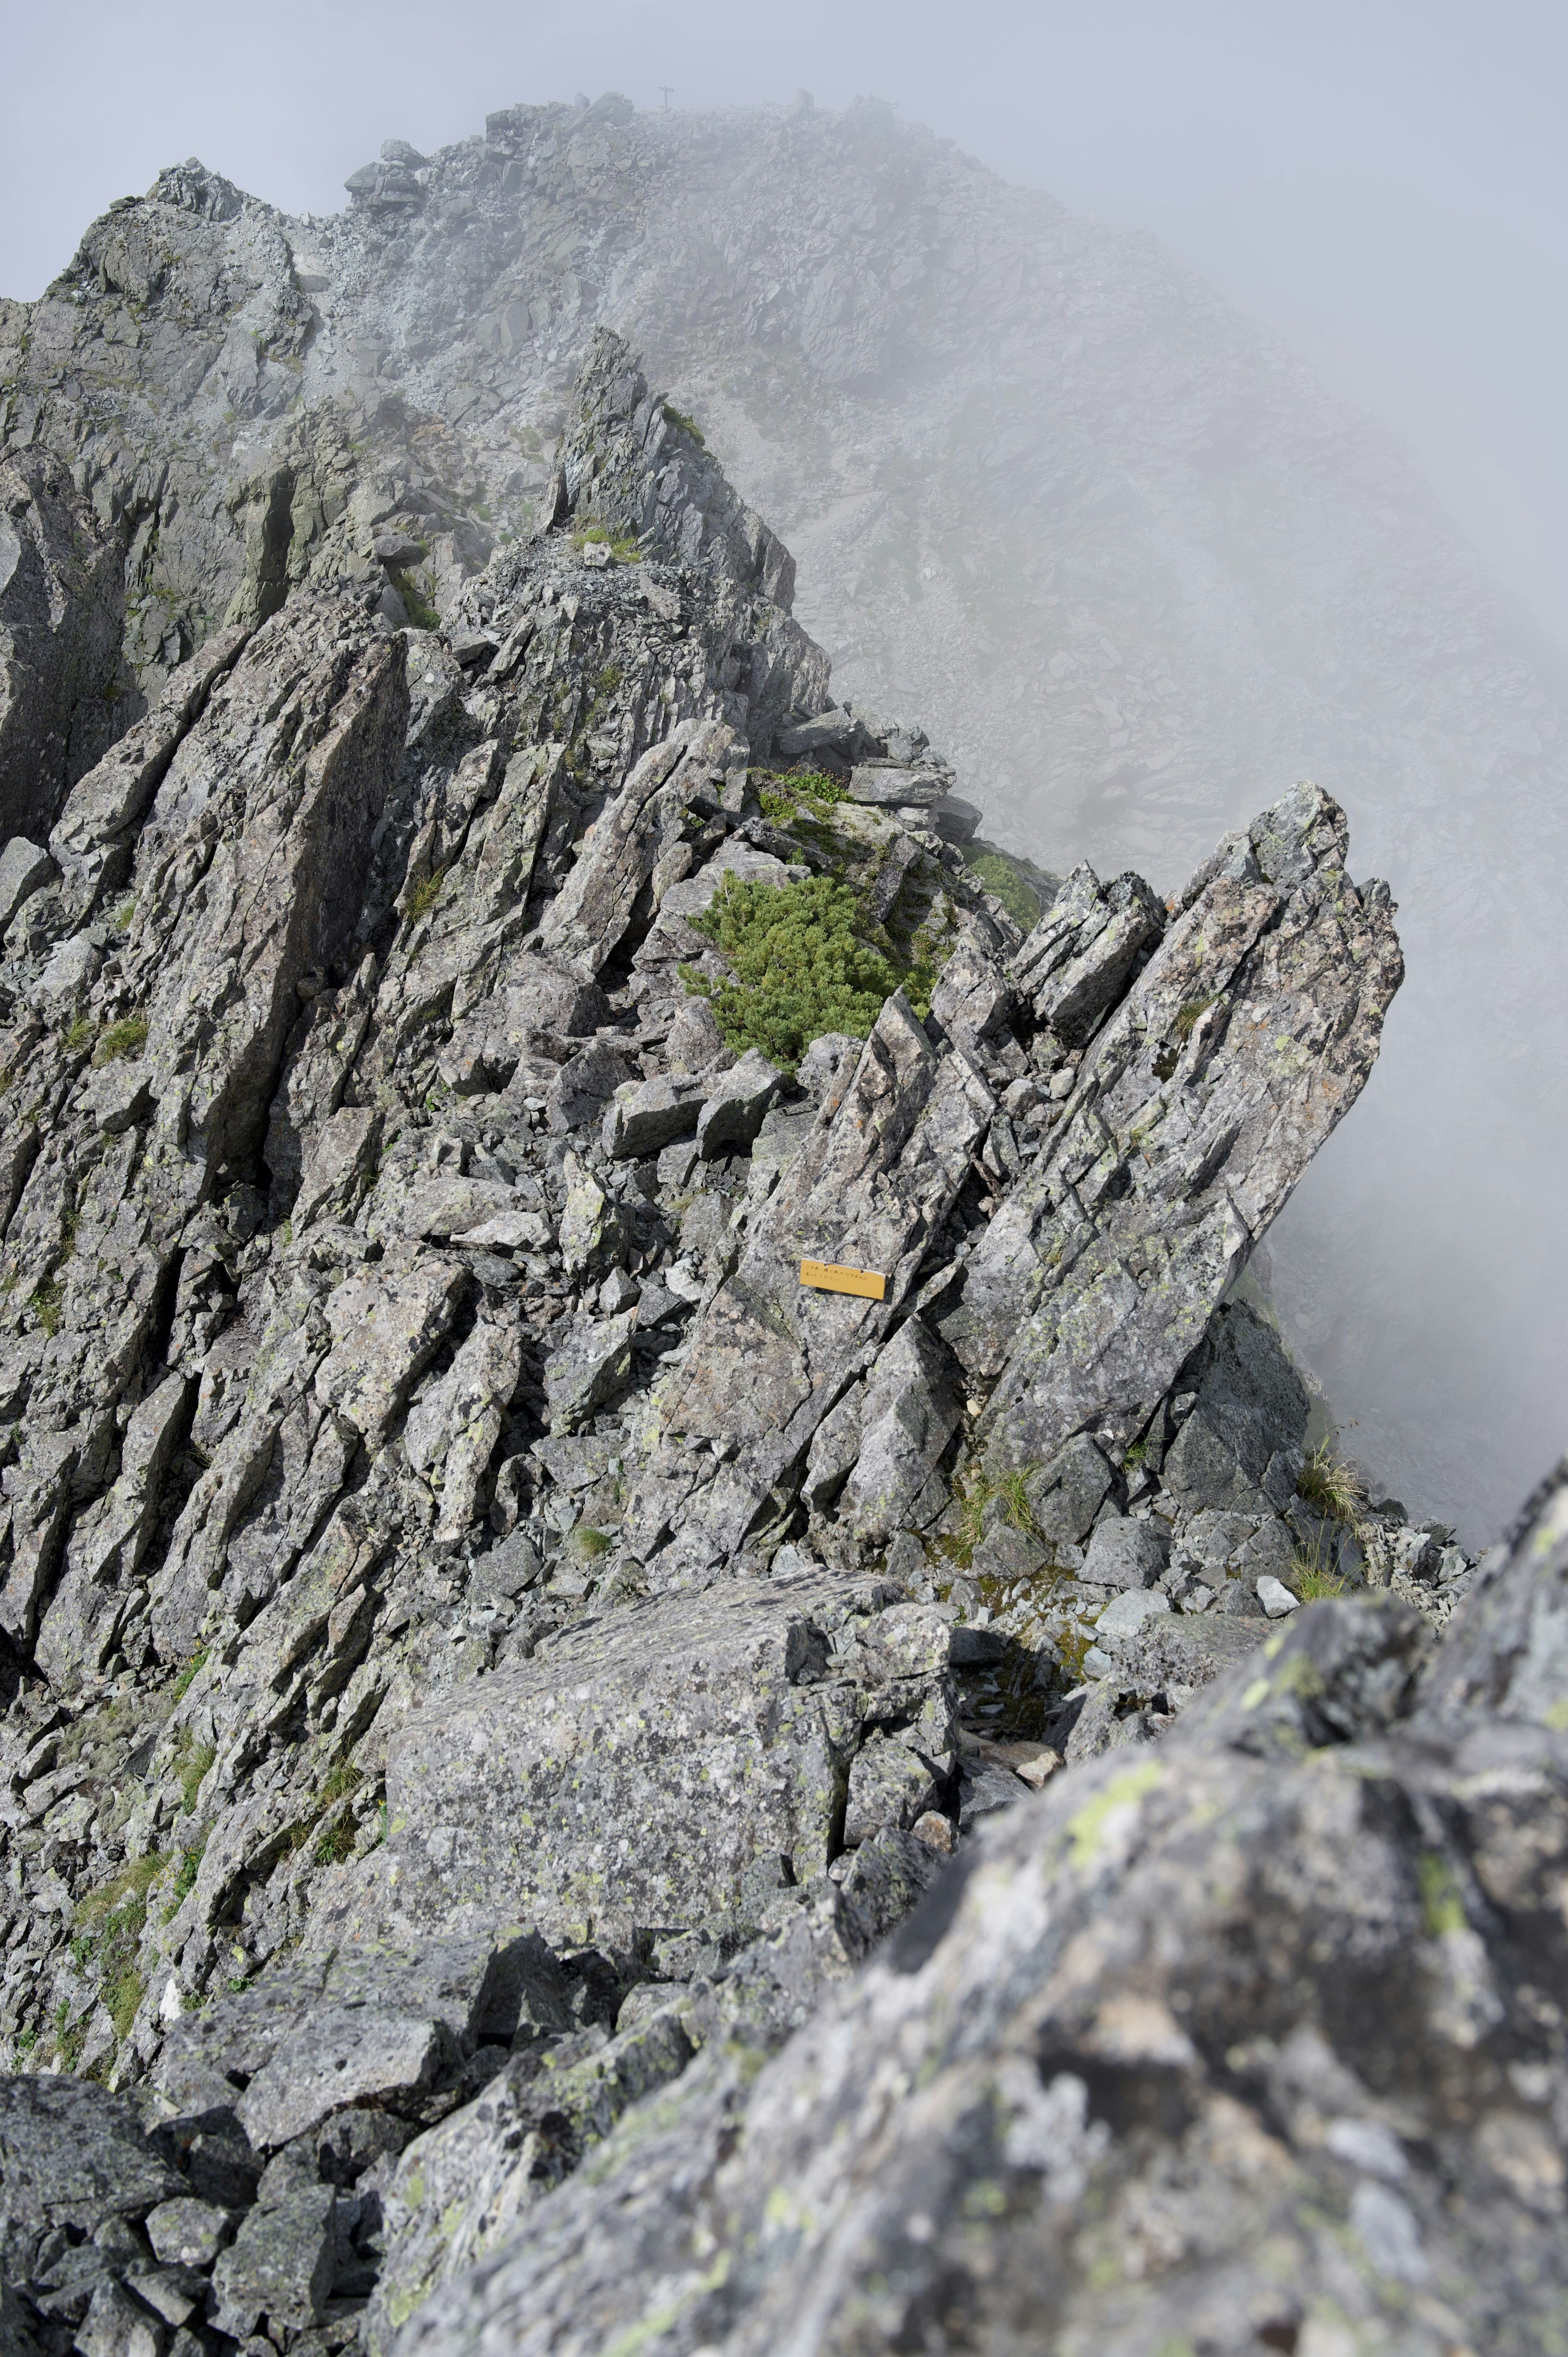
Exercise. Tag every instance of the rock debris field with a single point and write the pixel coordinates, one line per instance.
(566, 1792)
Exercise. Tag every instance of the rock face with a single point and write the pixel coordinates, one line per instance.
(488, 1650)
(648, 1776)
(63, 686)
(1247, 2044)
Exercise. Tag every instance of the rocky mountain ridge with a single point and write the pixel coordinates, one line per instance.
(493, 1653)
(1108, 538)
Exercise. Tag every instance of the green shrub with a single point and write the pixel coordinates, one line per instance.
(1003, 877)
(125, 1038)
(975, 1492)
(193, 1763)
(185, 1879)
(678, 418)
(624, 548)
(1311, 1580)
(183, 1683)
(818, 784)
(335, 1847)
(78, 1035)
(110, 1923)
(799, 965)
(340, 1782)
(1185, 1023)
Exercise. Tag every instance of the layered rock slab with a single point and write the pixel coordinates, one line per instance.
(1246, 1037)
(636, 1772)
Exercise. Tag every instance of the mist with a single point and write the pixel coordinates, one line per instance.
(1381, 188)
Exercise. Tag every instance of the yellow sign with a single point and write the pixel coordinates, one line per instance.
(831, 1279)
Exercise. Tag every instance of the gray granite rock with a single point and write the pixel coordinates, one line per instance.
(1196, 1882)
(1125, 1553)
(72, 2154)
(1240, 1451)
(1090, 1290)
(632, 1774)
(733, 1113)
(348, 2054)
(280, 2266)
(186, 2232)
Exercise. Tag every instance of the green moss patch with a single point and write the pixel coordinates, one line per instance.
(1024, 891)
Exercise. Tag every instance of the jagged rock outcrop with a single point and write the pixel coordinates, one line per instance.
(1135, 559)
(488, 1645)
(1249, 2044)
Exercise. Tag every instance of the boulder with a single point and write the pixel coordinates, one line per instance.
(632, 1776)
(349, 2054)
(185, 2232)
(24, 868)
(1239, 1449)
(645, 1117)
(1125, 1553)
(72, 2154)
(731, 1115)
(280, 2266)
(907, 1411)
(588, 1369)
(882, 787)
(578, 1094)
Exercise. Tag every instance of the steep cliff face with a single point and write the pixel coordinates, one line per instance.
(1110, 540)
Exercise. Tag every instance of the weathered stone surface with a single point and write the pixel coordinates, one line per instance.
(116, 2325)
(590, 1367)
(590, 914)
(632, 1775)
(344, 2056)
(281, 2265)
(23, 867)
(1242, 1043)
(185, 2232)
(972, 998)
(1124, 1554)
(577, 1096)
(906, 1415)
(1239, 1449)
(770, 1357)
(648, 1115)
(1066, 2023)
(459, 2190)
(61, 604)
(72, 2154)
(889, 1785)
(285, 2037)
(1084, 950)
(733, 1113)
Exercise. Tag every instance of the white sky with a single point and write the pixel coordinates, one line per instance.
(1387, 180)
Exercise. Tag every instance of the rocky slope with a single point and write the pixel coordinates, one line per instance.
(491, 1653)
(1108, 538)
